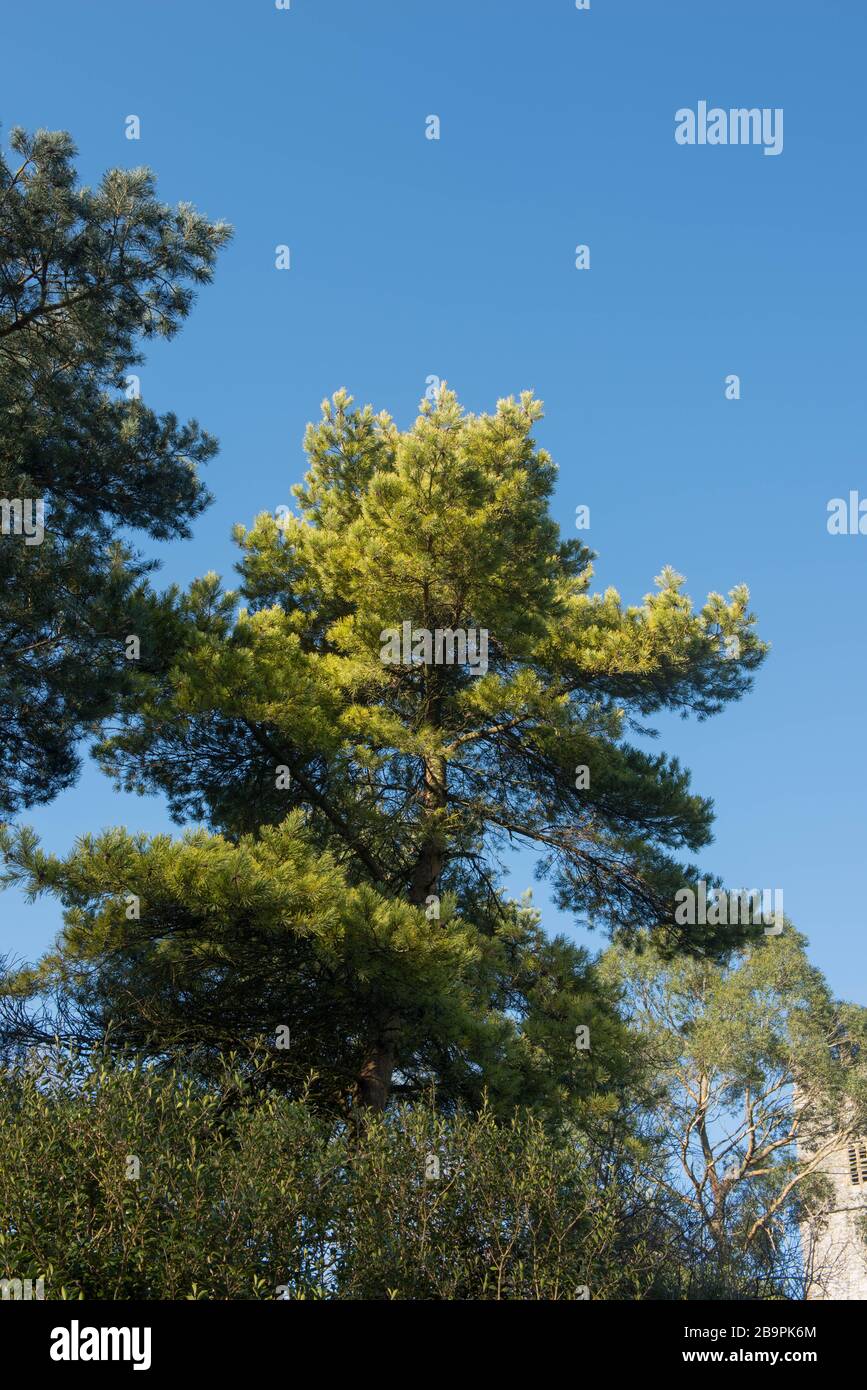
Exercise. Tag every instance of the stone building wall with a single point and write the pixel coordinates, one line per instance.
(835, 1253)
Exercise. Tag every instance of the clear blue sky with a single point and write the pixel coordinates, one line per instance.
(412, 257)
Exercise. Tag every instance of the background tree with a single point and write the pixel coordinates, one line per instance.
(412, 777)
(752, 1074)
(85, 275)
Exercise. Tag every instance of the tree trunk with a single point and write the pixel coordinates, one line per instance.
(374, 1079)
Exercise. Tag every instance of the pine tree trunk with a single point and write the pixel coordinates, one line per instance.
(375, 1076)
(374, 1079)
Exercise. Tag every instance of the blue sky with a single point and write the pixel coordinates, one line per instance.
(456, 258)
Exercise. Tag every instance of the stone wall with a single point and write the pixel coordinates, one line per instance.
(835, 1254)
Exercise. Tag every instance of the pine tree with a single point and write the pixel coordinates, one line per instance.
(322, 730)
(84, 276)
